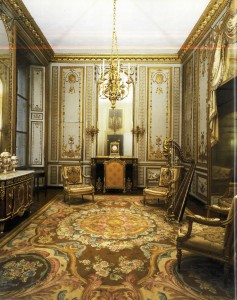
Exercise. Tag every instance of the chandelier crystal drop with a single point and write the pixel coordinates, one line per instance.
(114, 84)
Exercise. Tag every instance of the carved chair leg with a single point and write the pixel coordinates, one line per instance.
(93, 199)
(179, 257)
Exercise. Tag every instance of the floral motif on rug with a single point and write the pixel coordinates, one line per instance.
(113, 248)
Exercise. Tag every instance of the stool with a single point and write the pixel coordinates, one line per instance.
(37, 175)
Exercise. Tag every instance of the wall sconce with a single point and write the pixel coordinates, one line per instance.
(138, 132)
(92, 131)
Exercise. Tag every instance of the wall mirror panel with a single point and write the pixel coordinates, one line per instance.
(5, 103)
(115, 125)
(223, 152)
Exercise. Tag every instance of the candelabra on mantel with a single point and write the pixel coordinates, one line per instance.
(138, 132)
(92, 131)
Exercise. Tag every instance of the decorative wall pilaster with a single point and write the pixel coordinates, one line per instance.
(54, 116)
(176, 113)
(187, 109)
(203, 75)
(140, 114)
(88, 110)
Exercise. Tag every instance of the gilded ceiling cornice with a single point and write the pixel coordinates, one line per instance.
(211, 13)
(24, 19)
(135, 58)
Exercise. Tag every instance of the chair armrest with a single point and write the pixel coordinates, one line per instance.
(219, 209)
(205, 221)
(200, 220)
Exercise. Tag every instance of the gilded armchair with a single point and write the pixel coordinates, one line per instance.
(74, 183)
(203, 244)
(164, 187)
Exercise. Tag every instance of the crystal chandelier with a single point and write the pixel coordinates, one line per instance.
(114, 84)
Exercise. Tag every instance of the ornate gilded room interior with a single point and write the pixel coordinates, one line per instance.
(144, 84)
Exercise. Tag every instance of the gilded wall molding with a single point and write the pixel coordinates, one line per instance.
(195, 103)
(141, 109)
(24, 19)
(187, 108)
(141, 173)
(212, 12)
(203, 89)
(124, 58)
(176, 104)
(53, 172)
(89, 108)
(54, 113)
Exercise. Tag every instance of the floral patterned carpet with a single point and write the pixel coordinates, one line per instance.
(111, 249)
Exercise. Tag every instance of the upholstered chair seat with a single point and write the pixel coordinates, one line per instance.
(81, 189)
(159, 192)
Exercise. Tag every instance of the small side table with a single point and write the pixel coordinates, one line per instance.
(37, 175)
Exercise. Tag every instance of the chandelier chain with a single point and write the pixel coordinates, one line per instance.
(114, 34)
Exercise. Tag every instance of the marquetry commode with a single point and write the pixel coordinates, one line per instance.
(16, 194)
